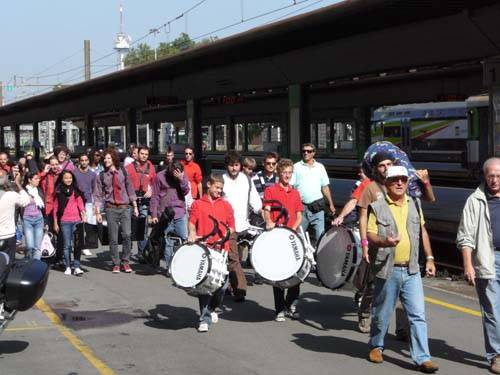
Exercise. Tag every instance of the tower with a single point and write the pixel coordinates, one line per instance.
(122, 43)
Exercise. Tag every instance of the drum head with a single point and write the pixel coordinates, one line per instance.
(190, 265)
(277, 254)
(336, 257)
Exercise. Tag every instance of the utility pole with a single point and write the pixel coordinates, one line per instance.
(86, 57)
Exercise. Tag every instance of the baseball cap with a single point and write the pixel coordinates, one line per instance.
(396, 171)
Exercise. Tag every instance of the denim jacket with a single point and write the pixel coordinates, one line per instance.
(383, 261)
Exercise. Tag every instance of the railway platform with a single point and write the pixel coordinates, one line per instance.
(103, 323)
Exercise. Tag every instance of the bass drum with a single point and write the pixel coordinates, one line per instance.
(338, 256)
(199, 269)
(279, 256)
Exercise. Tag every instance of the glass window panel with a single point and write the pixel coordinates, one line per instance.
(257, 135)
(144, 135)
(206, 137)
(73, 133)
(100, 138)
(239, 137)
(314, 139)
(26, 137)
(343, 136)
(221, 137)
(9, 139)
(172, 134)
(116, 138)
(46, 135)
(274, 134)
(323, 136)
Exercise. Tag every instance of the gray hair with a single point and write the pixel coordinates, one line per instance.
(490, 162)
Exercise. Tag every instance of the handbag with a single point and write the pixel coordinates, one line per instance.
(47, 248)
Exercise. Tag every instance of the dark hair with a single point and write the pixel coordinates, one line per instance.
(171, 167)
(84, 154)
(309, 144)
(284, 163)
(60, 148)
(114, 156)
(215, 177)
(189, 147)
(74, 184)
(143, 148)
(169, 150)
(271, 155)
(131, 148)
(232, 157)
(28, 176)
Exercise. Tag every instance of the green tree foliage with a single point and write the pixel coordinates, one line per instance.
(143, 53)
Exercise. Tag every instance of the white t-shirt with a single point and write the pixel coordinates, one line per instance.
(309, 180)
(8, 203)
(128, 160)
(236, 193)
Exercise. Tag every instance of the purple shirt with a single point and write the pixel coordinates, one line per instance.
(166, 195)
(103, 193)
(31, 210)
(85, 182)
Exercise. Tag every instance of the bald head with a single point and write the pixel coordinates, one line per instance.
(491, 170)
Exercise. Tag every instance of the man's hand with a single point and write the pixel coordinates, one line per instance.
(46, 169)
(84, 217)
(148, 193)
(365, 255)
(98, 217)
(136, 211)
(154, 220)
(178, 174)
(430, 268)
(56, 227)
(391, 241)
(192, 237)
(332, 208)
(337, 221)
(470, 274)
(270, 225)
(423, 175)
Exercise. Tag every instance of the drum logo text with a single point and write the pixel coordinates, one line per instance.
(346, 260)
(295, 248)
(201, 267)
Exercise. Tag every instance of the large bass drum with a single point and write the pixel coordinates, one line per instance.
(280, 257)
(338, 256)
(199, 269)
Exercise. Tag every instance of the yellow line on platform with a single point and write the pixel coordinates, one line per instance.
(78, 344)
(452, 306)
(18, 329)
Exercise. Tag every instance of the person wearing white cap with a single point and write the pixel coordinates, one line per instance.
(395, 225)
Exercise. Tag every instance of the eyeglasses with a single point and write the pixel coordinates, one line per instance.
(307, 151)
(188, 153)
(393, 180)
(270, 163)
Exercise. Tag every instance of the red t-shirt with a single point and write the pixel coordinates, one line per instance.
(219, 209)
(356, 194)
(135, 175)
(289, 198)
(193, 173)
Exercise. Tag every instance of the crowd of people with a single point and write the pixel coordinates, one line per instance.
(72, 201)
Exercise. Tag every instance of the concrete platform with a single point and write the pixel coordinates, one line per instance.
(141, 324)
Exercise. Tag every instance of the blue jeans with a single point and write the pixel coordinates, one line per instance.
(410, 291)
(316, 221)
(488, 291)
(141, 245)
(176, 227)
(67, 230)
(33, 233)
(208, 303)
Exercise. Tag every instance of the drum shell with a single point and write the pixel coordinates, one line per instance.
(25, 284)
(330, 252)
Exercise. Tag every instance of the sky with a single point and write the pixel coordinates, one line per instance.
(41, 42)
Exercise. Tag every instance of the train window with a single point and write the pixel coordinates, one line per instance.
(9, 139)
(206, 137)
(220, 137)
(256, 136)
(145, 135)
(73, 134)
(172, 134)
(116, 138)
(344, 136)
(392, 130)
(47, 135)
(100, 138)
(239, 137)
(26, 137)
(323, 136)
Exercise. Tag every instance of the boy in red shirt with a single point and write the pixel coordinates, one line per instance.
(211, 204)
(290, 199)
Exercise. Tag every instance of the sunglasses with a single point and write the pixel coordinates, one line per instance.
(403, 179)
(188, 153)
(270, 163)
(307, 151)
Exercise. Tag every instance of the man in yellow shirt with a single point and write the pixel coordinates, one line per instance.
(395, 224)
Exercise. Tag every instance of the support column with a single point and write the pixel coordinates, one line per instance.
(156, 135)
(193, 124)
(2, 139)
(17, 137)
(89, 131)
(58, 135)
(299, 131)
(131, 127)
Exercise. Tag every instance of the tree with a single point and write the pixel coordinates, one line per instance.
(141, 54)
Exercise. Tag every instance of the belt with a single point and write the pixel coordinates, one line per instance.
(406, 264)
(112, 205)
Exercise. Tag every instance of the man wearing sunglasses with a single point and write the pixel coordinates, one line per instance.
(395, 226)
(193, 172)
(312, 182)
(267, 176)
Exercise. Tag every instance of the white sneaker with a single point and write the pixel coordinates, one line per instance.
(78, 271)
(68, 271)
(86, 252)
(203, 327)
(215, 317)
(280, 317)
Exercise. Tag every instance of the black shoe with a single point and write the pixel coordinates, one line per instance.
(239, 296)
(402, 335)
